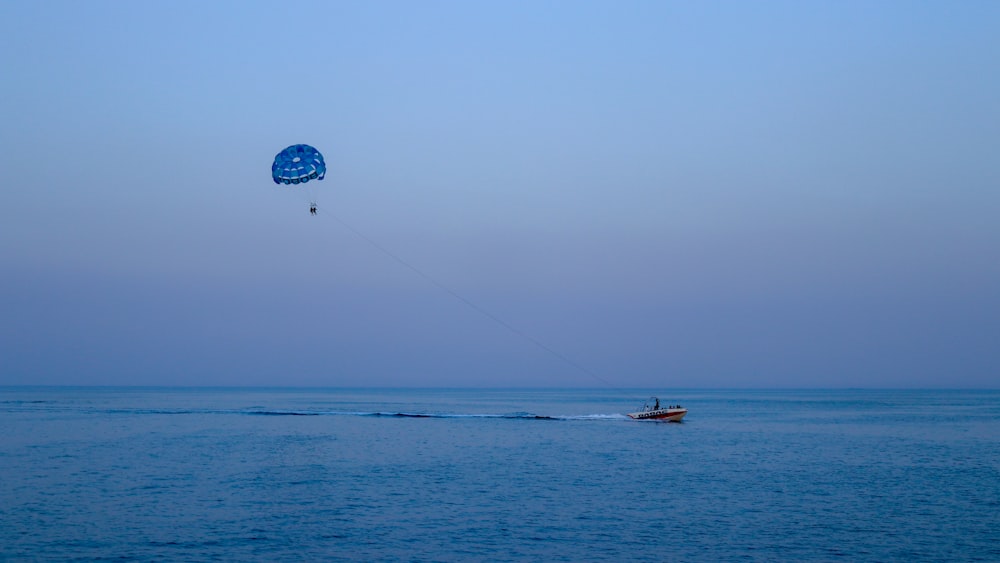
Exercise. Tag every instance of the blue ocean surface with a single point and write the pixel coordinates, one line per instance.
(497, 475)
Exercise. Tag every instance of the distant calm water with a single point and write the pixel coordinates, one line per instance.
(291, 474)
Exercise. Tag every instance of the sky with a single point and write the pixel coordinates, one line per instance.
(627, 194)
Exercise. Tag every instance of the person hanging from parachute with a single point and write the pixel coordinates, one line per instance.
(298, 164)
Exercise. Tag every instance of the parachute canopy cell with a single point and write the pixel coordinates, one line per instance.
(297, 165)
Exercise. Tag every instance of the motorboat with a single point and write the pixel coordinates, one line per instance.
(653, 411)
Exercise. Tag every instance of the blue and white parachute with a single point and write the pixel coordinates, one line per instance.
(298, 164)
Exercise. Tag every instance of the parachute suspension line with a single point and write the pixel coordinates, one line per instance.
(516, 331)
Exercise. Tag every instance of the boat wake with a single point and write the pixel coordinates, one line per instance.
(394, 414)
(264, 411)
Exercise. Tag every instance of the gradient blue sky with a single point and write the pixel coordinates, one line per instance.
(671, 194)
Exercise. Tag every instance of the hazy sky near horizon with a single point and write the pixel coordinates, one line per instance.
(670, 194)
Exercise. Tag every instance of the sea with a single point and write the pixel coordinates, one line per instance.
(255, 474)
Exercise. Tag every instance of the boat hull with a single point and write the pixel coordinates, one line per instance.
(667, 415)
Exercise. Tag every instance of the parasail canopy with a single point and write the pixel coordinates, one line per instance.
(298, 164)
